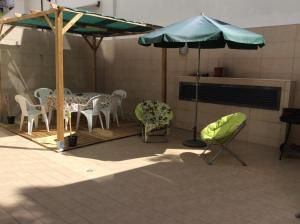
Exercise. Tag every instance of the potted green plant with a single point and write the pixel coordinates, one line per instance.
(10, 117)
(72, 138)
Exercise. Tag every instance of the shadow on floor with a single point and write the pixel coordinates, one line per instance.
(161, 193)
(131, 148)
(27, 148)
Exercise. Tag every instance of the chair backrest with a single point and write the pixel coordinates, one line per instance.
(224, 129)
(66, 91)
(100, 102)
(152, 111)
(23, 102)
(42, 94)
(121, 93)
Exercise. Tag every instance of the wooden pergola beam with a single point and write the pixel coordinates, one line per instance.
(1, 28)
(72, 22)
(49, 22)
(99, 42)
(111, 18)
(27, 16)
(95, 44)
(6, 32)
(88, 42)
(34, 10)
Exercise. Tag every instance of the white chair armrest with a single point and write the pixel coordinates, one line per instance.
(37, 105)
(43, 109)
(90, 100)
(83, 106)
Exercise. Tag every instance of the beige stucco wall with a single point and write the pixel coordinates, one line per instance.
(27, 63)
(254, 13)
(34, 4)
(138, 69)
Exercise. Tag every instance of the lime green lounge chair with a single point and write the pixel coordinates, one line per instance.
(155, 118)
(222, 132)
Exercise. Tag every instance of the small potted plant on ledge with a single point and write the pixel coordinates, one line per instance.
(10, 117)
(72, 138)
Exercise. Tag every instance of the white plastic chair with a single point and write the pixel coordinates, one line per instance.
(114, 105)
(110, 108)
(29, 110)
(66, 91)
(91, 109)
(122, 94)
(95, 107)
(42, 94)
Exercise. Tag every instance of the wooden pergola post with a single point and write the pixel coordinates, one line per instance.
(164, 75)
(94, 45)
(59, 61)
(94, 76)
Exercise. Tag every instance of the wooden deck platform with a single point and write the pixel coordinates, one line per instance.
(98, 135)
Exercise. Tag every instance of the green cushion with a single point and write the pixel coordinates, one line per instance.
(220, 131)
(153, 114)
(139, 112)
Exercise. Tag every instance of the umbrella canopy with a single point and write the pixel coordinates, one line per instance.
(203, 32)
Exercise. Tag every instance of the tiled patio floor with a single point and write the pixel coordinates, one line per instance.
(127, 181)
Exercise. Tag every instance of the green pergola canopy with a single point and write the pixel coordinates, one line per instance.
(90, 24)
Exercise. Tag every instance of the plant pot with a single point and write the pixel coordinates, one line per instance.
(11, 119)
(219, 72)
(72, 140)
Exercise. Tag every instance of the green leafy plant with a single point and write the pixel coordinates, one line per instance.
(72, 138)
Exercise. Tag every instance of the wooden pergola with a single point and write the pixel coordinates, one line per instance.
(91, 26)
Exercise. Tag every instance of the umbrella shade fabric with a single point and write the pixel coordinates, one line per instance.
(202, 32)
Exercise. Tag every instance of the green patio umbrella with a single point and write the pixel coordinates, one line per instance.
(202, 32)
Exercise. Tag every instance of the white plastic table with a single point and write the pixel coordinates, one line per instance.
(73, 100)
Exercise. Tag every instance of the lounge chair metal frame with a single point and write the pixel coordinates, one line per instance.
(160, 132)
(224, 147)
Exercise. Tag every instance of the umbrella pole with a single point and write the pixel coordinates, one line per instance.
(194, 143)
(196, 97)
